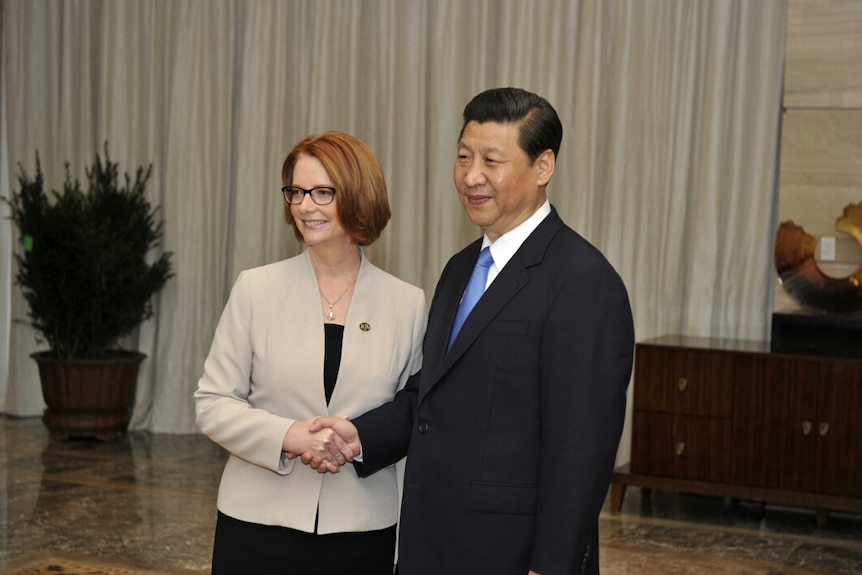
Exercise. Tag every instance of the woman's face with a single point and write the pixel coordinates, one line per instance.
(317, 224)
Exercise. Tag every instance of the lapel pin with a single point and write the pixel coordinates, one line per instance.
(364, 326)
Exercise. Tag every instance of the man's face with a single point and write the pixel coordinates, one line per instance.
(496, 182)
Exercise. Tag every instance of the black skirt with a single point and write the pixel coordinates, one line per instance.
(243, 548)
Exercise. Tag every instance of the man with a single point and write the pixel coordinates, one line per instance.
(513, 430)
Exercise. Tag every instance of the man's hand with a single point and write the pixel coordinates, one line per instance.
(342, 432)
(321, 446)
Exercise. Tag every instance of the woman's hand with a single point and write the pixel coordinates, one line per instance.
(324, 446)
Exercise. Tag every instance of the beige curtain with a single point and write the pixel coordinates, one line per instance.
(671, 112)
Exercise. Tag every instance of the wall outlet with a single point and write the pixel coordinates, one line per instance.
(827, 248)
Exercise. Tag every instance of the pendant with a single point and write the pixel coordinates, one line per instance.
(331, 315)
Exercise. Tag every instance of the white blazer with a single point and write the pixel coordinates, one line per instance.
(264, 371)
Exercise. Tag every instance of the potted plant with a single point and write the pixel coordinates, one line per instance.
(83, 269)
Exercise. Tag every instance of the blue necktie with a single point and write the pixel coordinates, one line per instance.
(475, 289)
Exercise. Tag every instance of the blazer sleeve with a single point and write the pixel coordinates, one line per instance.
(585, 366)
(223, 412)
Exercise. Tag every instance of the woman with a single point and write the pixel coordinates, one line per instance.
(325, 332)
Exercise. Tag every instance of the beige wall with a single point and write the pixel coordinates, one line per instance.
(821, 142)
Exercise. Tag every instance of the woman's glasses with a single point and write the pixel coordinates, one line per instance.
(320, 195)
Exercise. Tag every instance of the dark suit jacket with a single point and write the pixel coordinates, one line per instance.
(513, 433)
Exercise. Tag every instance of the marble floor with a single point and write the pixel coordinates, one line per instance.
(147, 502)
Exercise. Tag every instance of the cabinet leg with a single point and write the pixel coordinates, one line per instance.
(822, 517)
(618, 491)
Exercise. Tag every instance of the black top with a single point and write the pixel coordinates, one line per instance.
(331, 357)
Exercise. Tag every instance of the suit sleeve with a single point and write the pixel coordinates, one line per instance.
(585, 366)
(385, 431)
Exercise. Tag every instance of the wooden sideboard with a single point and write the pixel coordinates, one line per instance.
(732, 419)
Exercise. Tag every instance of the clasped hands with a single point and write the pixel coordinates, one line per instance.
(325, 443)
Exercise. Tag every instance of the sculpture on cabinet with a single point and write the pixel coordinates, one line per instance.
(802, 278)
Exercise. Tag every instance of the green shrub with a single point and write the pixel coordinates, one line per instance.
(83, 265)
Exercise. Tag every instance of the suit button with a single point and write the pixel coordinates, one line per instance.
(423, 427)
(586, 560)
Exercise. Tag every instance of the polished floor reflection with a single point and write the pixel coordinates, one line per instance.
(147, 502)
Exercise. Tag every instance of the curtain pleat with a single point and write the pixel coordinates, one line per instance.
(668, 162)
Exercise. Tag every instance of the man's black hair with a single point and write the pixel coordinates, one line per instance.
(540, 127)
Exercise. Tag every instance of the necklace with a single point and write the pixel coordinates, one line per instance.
(330, 315)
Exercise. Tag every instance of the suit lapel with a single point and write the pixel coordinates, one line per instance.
(450, 288)
(509, 282)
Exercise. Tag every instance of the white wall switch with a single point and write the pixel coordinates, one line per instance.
(827, 248)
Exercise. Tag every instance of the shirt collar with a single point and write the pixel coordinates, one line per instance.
(506, 245)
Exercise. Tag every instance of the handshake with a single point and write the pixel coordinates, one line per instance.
(325, 443)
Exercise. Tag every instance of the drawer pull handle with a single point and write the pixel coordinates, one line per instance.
(806, 427)
(680, 447)
(682, 383)
(824, 429)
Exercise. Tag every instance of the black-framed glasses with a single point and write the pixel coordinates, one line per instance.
(320, 195)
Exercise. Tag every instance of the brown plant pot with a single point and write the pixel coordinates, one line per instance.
(88, 397)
